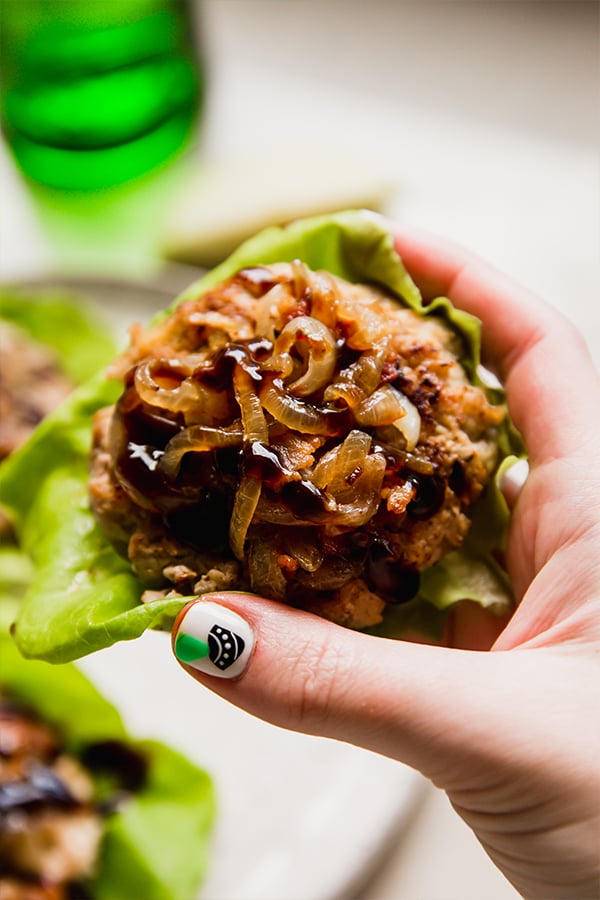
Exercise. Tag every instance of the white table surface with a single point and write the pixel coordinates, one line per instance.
(484, 115)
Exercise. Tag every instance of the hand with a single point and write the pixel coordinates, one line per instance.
(512, 735)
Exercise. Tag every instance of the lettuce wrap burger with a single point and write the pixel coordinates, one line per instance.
(299, 424)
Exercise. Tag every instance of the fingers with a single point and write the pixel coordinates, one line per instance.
(471, 627)
(300, 672)
(460, 717)
(543, 361)
(514, 318)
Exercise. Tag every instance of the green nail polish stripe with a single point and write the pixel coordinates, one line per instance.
(188, 648)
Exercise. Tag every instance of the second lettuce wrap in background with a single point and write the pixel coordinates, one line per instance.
(153, 808)
(84, 595)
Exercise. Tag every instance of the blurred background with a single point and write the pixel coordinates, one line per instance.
(477, 120)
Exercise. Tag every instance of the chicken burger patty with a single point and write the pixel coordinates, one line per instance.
(296, 435)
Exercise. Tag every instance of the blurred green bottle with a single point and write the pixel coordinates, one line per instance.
(95, 93)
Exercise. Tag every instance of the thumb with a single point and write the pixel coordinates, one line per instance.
(426, 706)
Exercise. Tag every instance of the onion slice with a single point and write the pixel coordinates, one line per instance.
(335, 468)
(253, 419)
(266, 577)
(267, 311)
(171, 384)
(409, 425)
(304, 547)
(197, 439)
(315, 343)
(354, 478)
(387, 406)
(298, 414)
(357, 381)
(244, 507)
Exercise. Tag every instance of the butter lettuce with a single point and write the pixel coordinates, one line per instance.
(156, 845)
(83, 596)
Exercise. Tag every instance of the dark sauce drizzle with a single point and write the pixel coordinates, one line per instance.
(196, 505)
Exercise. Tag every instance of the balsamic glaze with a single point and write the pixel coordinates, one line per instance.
(304, 500)
(247, 354)
(429, 496)
(260, 461)
(205, 524)
(458, 479)
(41, 788)
(393, 582)
(123, 762)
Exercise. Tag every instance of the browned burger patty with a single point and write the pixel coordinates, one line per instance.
(297, 435)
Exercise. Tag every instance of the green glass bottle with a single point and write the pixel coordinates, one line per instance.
(97, 92)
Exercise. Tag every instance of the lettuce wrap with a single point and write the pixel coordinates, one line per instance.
(155, 845)
(83, 596)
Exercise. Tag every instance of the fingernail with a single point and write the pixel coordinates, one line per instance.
(513, 480)
(214, 639)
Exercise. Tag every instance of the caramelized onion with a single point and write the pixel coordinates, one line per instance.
(267, 311)
(151, 377)
(170, 384)
(387, 406)
(244, 506)
(336, 466)
(394, 443)
(253, 418)
(275, 513)
(357, 381)
(359, 503)
(303, 546)
(216, 322)
(409, 425)
(354, 477)
(298, 414)
(197, 439)
(314, 342)
(325, 296)
(301, 276)
(333, 574)
(266, 577)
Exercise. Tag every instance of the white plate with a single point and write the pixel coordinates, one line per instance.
(299, 818)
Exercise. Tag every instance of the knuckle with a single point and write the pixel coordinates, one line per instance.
(318, 681)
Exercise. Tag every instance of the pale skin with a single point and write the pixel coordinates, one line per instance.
(512, 735)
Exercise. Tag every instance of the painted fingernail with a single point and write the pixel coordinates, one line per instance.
(513, 480)
(214, 640)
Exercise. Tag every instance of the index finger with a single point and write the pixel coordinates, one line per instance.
(543, 361)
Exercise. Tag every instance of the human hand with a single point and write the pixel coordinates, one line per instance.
(512, 735)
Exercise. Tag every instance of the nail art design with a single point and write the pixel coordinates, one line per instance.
(214, 639)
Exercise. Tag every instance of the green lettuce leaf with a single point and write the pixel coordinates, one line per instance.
(61, 321)
(83, 596)
(156, 846)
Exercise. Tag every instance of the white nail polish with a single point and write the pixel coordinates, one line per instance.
(214, 640)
